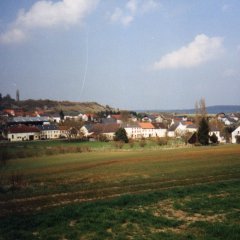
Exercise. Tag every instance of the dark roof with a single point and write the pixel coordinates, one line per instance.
(159, 125)
(48, 127)
(108, 120)
(88, 126)
(100, 128)
(27, 119)
(22, 129)
(173, 127)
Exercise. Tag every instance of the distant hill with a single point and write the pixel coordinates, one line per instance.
(52, 106)
(211, 109)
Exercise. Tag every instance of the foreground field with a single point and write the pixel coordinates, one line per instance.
(190, 193)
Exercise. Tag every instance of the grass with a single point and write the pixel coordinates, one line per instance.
(38, 148)
(190, 193)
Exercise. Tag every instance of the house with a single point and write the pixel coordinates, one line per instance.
(64, 131)
(171, 130)
(86, 129)
(94, 130)
(180, 128)
(30, 121)
(133, 130)
(160, 129)
(235, 134)
(117, 117)
(148, 130)
(216, 131)
(191, 128)
(22, 132)
(227, 120)
(108, 120)
(9, 112)
(49, 131)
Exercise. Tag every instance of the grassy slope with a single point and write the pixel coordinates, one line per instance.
(207, 203)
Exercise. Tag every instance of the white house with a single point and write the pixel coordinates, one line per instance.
(235, 133)
(133, 130)
(49, 131)
(22, 133)
(216, 131)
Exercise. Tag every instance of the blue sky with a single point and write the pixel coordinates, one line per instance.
(133, 54)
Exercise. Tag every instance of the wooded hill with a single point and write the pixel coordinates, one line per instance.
(52, 106)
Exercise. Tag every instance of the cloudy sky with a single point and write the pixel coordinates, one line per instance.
(131, 54)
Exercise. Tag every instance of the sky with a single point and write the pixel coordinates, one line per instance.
(129, 54)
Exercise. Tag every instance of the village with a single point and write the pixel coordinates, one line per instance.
(17, 125)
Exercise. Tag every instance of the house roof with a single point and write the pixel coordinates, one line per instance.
(130, 125)
(192, 126)
(159, 125)
(108, 120)
(88, 126)
(146, 125)
(48, 127)
(104, 128)
(116, 116)
(22, 129)
(173, 127)
(63, 128)
(27, 119)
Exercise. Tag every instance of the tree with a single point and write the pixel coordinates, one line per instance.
(124, 116)
(121, 135)
(61, 114)
(200, 110)
(213, 138)
(203, 131)
(17, 95)
(186, 136)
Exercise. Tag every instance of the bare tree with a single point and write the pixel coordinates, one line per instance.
(200, 110)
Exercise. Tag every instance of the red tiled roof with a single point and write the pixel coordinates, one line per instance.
(23, 129)
(116, 116)
(146, 125)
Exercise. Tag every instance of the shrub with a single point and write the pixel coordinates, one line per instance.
(162, 141)
(238, 139)
(142, 143)
(213, 138)
(119, 144)
(131, 143)
(102, 138)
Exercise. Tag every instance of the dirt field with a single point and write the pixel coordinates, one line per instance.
(180, 193)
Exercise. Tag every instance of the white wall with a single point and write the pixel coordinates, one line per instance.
(235, 133)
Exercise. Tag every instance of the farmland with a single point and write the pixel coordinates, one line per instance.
(129, 193)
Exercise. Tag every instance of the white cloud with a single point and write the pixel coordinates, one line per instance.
(131, 9)
(13, 36)
(200, 50)
(118, 16)
(47, 14)
(149, 5)
(132, 5)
